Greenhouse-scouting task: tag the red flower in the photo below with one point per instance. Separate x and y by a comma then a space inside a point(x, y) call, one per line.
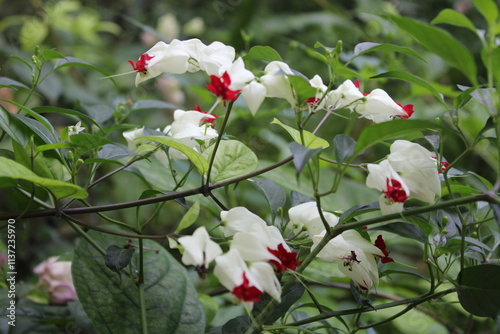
point(408, 109)
point(220, 87)
point(210, 117)
point(246, 292)
point(141, 64)
point(287, 260)
point(312, 101)
point(358, 86)
point(380, 243)
point(395, 191)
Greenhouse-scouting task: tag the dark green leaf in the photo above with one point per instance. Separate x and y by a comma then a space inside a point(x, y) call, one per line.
point(299, 198)
point(302, 88)
point(88, 141)
point(112, 304)
point(344, 147)
point(413, 79)
point(274, 194)
point(233, 159)
point(71, 61)
point(13, 170)
point(67, 112)
point(7, 82)
point(151, 104)
point(302, 155)
point(16, 129)
point(441, 43)
point(406, 230)
point(117, 258)
point(392, 129)
point(114, 152)
point(358, 210)
point(450, 16)
point(478, 290)
point(235, 326)
point(489, 10)
point(48, 136)
point(365, 47)
point(265, 53)
point(288, 298)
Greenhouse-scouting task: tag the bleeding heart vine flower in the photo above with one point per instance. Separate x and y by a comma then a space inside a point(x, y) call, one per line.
point(305, 218)
point(248, 284)
point(417, 168)
point(347, 95)
point(220, 87)
point(317, 102)
point(254, 94)
point(380, 107)
point(354, 255)
point(238, 219)
point(262, 243)
point(276, 81)
point(161, 58)
point(199, 250)
point(394, 190)
point(380, 244)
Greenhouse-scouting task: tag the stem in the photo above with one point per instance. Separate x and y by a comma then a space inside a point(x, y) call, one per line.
point(140, 285)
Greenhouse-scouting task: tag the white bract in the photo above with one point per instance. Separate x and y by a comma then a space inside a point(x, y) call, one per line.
point(199, 249)
point(305, 217)
point(354, 255)
point(380, 107)
point(276, 81)
point(418, 169)
point(347, 95)
point(238, 219)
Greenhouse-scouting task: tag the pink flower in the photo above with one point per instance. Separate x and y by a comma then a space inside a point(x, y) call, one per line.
point(220, 87)
point(55, 276)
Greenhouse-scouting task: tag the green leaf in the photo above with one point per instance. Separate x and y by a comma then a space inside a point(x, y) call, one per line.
point(288, 298)
point(302, 88)
point(33, 32)
point(48, 136)
point(392, 129)
point(51, 54)
point(112, 301)
point(366, 47)
point(71, 61)
point(310, 141)
point(7, 82)
point(275, 195)
point(66, 112)
point(460, 189)
point(13, 170)
point(265, 53)
point(196, 158)
point(151, 104)
point(210, 306)
point(489, 10)
point(301, 156)
point(441, 43)
point(33, 114)
point(450, 16)
point(232, 159)
point(16, 130)
point(344, 147)
point(413, 79)
point(117, 258)
point(190, 217)
point(478, 290)
point(406, 230)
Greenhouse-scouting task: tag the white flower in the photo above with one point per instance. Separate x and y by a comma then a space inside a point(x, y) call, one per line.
point(380, 107)
point(254, 94)
point(214, 56)
point(238, 219)
point(247, 284)
point(238, 73)
point(199, 249)
point(131, 135)
point(344, 96)
point(305, 217)
point(317, 82)
point(276, 81)
point(394, 189)
point(354, 255)
point(162, 57)
point(75, 129)
point(417, 168)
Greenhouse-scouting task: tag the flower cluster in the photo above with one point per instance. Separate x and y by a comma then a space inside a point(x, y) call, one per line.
point(55, 276)
point(356, 257)
point(229, 78)
point(257, 253)
point(410, 171)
